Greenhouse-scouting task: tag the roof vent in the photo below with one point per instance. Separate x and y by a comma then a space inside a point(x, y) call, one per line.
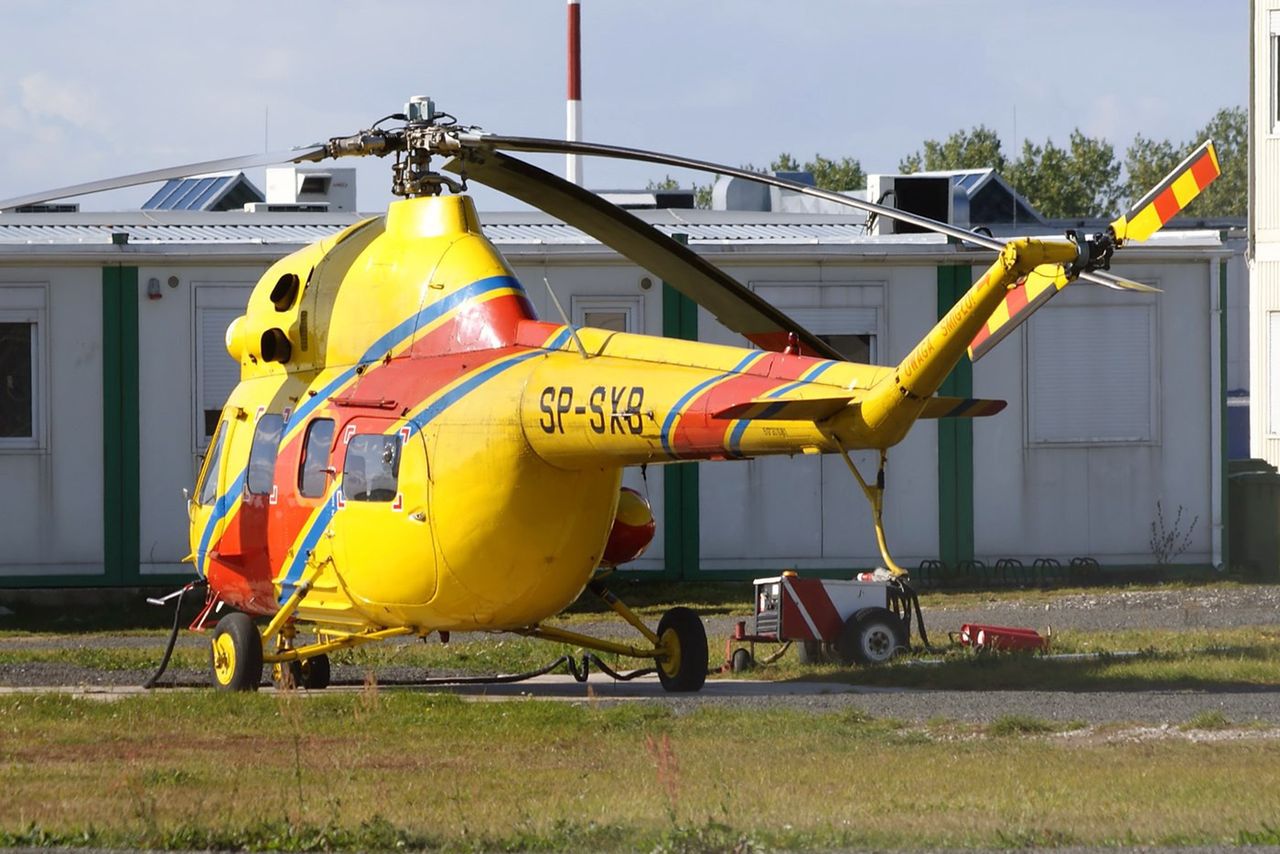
point(293, 187)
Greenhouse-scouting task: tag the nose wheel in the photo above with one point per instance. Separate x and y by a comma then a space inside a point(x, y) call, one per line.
point(235, 654)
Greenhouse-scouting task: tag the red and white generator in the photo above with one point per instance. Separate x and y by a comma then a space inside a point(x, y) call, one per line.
point(851, 622)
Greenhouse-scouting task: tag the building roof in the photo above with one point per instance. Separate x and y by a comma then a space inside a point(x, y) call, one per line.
point(196, 233)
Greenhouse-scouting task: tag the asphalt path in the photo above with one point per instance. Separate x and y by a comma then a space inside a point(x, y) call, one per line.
point(1178, 608)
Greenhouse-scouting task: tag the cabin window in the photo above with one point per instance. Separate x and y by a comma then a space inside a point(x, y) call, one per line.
point(207, 491)
point(1091, 376)
point(262, 454)
point(216, 373)
point(313, 476)
point(21, 367)
point(371, 471)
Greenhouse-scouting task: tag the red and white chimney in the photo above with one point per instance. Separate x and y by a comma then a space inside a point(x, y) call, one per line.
point(573, 116)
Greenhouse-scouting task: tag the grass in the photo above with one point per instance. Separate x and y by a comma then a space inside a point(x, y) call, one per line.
point(1166, 659)
point(381, 769)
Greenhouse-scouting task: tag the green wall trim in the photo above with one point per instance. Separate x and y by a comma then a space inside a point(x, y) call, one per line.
point(121, 443)
point(1224, 442)
point(680, 523)
point(955, 439)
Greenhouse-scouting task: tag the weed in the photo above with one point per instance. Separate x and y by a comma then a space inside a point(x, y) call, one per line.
point(1210, 719)
point(668, 771)
point(1011, 725)
point(1167, 543)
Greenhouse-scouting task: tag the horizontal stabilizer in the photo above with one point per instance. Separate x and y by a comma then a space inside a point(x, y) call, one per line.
point(783, 409)
point(961, 407)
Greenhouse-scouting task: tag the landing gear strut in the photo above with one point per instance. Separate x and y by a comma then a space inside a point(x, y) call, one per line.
point(678, 647)
point(875, 495)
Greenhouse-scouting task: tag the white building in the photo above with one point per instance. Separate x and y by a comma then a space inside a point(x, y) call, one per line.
point(111, 354)
point(1264, 231)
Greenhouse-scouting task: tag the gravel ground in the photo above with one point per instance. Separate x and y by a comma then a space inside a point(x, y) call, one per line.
point(1211, 607)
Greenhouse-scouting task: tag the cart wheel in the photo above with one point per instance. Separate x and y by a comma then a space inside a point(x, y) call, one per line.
point(811, 652)
point(315, 673)
point(683, 638)
point(741, 661)
point(235, 655)
point(870, 636)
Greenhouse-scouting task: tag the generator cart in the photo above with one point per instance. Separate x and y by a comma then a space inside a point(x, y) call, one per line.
point(863, 621)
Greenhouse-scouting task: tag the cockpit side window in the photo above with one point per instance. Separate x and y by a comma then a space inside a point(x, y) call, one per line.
point(262, 454)
point(207, 491)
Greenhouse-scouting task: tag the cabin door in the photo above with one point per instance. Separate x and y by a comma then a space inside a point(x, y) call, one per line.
point(382, 526)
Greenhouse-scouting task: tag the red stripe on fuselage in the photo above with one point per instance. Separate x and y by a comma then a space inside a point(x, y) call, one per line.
point(258, 536)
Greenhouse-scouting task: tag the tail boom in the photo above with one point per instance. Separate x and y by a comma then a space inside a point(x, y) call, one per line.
point(892, 406)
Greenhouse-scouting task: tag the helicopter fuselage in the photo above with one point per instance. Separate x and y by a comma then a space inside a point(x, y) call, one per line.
point(409, 434)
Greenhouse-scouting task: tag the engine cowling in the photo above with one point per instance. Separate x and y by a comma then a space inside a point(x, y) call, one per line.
point(632, 531)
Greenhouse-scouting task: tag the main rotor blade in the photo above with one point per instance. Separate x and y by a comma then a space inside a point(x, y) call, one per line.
point(226, 164)
point(560, 146)
point(733, 304)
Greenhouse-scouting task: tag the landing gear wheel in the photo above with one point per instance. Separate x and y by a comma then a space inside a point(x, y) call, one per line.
point(740, 661)
point(811, 652)
point(235, 654)
point(315, 673)
point(310, 673)
point(871, 636)
point(684, 640)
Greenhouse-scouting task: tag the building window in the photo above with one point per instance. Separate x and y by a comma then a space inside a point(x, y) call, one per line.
point(371, 471)
point(262, 454)
point(313, 474)
point(1273, 372)
point(1274, 88)
point(216, 373)
point(1091, 375)
point(21, 367)
point(846, 316)
point(17, 380)
point(616, 314)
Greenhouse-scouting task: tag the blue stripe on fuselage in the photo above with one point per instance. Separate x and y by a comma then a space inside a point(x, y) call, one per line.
point(321, 520)
point(376, 352)
point(735, 437)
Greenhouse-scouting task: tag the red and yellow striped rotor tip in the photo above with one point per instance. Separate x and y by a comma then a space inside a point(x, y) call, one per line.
point(1188, 180)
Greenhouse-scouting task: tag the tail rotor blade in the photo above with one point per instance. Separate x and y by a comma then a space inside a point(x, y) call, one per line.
point(1188, 180)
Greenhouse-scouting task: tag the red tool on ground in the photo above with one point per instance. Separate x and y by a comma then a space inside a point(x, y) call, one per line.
point(1003, 638)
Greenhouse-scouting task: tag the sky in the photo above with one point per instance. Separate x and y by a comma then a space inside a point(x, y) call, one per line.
point(95, 88)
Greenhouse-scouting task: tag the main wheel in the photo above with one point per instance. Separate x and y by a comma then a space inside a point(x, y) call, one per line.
point(315, 673)
point(310, 673)
point(871, 636)
point(235, 654)
point(684, 640)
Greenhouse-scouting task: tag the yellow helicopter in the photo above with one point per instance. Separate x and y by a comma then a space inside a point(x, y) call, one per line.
point(410, 450)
